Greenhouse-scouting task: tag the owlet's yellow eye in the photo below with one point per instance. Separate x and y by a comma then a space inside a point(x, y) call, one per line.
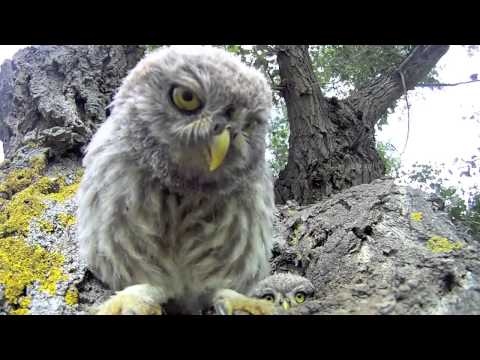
point(269, 297)
point(300, 297)
point(185, 99)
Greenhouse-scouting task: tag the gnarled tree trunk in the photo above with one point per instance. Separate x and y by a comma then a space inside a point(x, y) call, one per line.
point(55, 96)
point(332, 142)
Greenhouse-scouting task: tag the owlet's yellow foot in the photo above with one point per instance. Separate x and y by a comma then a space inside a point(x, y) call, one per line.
point(141, 299)
point(230, 302)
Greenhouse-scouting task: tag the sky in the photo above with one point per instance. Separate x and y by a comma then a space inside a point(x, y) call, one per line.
point(437, 131)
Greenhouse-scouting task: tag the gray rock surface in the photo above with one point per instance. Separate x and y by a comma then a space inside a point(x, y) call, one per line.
point(56, 96)
point(365, 254)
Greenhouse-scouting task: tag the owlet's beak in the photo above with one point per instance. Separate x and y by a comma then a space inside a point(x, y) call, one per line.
point(217, 149)
point(285, 305)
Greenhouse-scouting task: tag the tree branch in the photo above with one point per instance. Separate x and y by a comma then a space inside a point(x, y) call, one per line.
point(444, 84)
point(374, 100)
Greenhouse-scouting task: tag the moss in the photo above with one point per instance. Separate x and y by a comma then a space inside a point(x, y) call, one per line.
point(438, 244)
point(22, 265)
point(66, 220)
point(71, 297)
point(416, 216)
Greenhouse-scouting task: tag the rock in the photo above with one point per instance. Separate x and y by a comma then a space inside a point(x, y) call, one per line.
point(52, 99)
point(366, 255)
point(56, 96)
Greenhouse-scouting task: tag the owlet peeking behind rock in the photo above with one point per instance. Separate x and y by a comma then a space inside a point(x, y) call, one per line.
point(176, 203)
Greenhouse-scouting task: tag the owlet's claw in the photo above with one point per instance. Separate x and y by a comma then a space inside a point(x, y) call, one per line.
point(229, 302)
point(134, 300)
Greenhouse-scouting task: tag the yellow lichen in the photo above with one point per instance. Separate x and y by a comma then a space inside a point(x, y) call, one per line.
point(416, 216)
point(23, 308)
point(295, 236)
point(66, 192)
point(66, 220)
point(19, 179)
point(29, 203)
point(16, 181)
point(54, 275)
point(438, 244)
point(24, 304)
point(22, 265)
point(31, 144)
point(38, 163)
point(17, 214)
point(46, 226)
point(78, 174)
point(71, 297)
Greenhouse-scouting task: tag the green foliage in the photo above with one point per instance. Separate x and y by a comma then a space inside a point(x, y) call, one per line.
point(354, 66)
point(278, 141)
point(462, 205)
point(390, 159)
point(473, 215)
point(457, 208)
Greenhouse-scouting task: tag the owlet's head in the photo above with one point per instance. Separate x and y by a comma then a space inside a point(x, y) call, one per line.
point(197, 117)
point(285, 290)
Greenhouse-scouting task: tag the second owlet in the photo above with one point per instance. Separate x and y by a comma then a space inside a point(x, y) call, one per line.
point(176, 203)
point(284, 289)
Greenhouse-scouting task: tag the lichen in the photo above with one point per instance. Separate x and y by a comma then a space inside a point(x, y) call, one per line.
point(79, 174)
point(295, 236)
point(66, 192)
point(31, 144)
point(38, 163)
point(416, 216)
point(71, 296)
point(17, 214)
point(30, 203)
point(24, 304)
point(23, 198)
point(19, 179)
point(46, 226)
point(66, 220)
point(438, 244)
point(22, 265)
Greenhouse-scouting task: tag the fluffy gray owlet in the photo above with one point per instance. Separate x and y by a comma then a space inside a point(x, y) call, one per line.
point(176, 203)
point(284, 289)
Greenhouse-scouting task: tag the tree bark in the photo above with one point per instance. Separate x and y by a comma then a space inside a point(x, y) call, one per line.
point(332, 142)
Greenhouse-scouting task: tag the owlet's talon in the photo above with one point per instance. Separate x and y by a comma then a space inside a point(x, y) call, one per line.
point(229, 302)
point(134, 300)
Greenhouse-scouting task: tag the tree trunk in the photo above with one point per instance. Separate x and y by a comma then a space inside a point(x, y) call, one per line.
point(332, 142)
